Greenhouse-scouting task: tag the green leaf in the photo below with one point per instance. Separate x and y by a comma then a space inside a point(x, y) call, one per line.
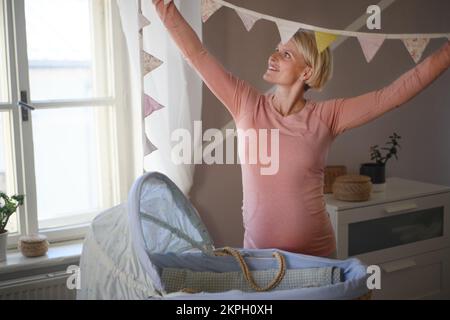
point(9, 208)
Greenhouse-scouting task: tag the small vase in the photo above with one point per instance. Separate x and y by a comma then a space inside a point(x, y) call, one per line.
point(377, 173)
point(3, 244)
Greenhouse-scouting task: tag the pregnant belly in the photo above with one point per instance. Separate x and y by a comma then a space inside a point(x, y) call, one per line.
point(294, 225)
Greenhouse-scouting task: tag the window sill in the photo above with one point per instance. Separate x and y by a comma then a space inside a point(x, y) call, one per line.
point(63, 253)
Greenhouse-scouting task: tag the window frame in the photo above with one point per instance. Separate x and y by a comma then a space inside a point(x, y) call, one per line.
point(114, 120)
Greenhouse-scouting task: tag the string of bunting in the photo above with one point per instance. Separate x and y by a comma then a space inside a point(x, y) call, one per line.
point(370, 42)
point(148, 64)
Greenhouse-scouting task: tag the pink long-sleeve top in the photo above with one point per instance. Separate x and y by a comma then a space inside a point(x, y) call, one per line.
point(287, 210)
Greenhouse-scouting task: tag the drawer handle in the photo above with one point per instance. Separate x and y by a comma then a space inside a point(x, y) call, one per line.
point(401, 207)
point(398, 265)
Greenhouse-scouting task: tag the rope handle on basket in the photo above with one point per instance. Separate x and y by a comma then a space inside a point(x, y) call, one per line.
point(248, 276)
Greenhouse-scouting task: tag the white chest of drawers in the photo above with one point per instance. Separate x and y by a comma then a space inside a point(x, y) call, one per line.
point(406, 231)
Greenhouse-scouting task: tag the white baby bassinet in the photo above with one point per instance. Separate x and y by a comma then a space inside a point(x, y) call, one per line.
point(130, 249)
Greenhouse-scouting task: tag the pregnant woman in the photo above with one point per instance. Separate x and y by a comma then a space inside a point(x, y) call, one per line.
point(287, 210)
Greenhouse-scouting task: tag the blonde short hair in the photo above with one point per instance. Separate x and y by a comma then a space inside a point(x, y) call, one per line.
point(321, 63)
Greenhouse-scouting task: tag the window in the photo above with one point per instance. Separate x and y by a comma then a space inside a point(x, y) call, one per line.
point(64, 157)
point(6, 167)
point(63, 39)
point(3, 68)
point(7, 171)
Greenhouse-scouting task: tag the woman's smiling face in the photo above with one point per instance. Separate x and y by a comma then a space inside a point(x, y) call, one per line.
point(286, 65)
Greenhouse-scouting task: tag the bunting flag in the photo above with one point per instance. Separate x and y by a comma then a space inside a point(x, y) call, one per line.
point(370, 45)
point(416, 47)
point(143, 22)
point(149, 148)
point(287, 31)
point(209, 7)
point(324, 40)
point(150, 105)
point(248, 20)
point(150, 63)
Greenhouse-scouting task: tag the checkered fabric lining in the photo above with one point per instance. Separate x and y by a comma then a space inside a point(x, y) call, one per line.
point(178, 279)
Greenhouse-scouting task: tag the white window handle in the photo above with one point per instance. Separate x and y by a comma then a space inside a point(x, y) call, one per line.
point(401, 207)
point(398, 265)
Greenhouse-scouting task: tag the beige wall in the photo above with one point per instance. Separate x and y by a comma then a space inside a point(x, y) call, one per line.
point(422, 123)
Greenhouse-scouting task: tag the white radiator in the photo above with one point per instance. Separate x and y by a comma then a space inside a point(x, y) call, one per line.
point(50, 286)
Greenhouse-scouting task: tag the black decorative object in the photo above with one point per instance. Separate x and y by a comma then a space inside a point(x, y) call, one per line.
point(377, 170)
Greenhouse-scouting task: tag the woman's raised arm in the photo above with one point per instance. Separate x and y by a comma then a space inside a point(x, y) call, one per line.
point(347, 113)
point(234, 93)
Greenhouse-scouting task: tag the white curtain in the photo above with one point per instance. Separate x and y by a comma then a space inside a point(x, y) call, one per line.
point(174, 85)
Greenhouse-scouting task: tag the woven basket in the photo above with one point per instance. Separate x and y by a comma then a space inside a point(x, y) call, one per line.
point(331, 173)
point(33, 246)
point(352, 188)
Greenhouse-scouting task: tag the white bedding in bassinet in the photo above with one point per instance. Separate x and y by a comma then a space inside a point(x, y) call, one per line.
point(110, 269)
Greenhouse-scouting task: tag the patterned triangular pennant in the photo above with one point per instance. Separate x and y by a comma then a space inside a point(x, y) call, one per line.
point(149, 148)
point(143, 22)
point(416, 47)
point(150, 105)
point(150, 63)
point(209, 7)
point(248, 20)
point(370, 45)
point(286, 30)
point(324, 40)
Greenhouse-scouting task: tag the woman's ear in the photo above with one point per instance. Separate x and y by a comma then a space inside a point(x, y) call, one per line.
point(306, 74)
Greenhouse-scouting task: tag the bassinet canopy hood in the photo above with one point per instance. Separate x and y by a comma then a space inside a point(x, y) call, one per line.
point(162, 220)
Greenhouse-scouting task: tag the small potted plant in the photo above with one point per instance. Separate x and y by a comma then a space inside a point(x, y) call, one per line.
point(377, 170)
point(8, 205)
